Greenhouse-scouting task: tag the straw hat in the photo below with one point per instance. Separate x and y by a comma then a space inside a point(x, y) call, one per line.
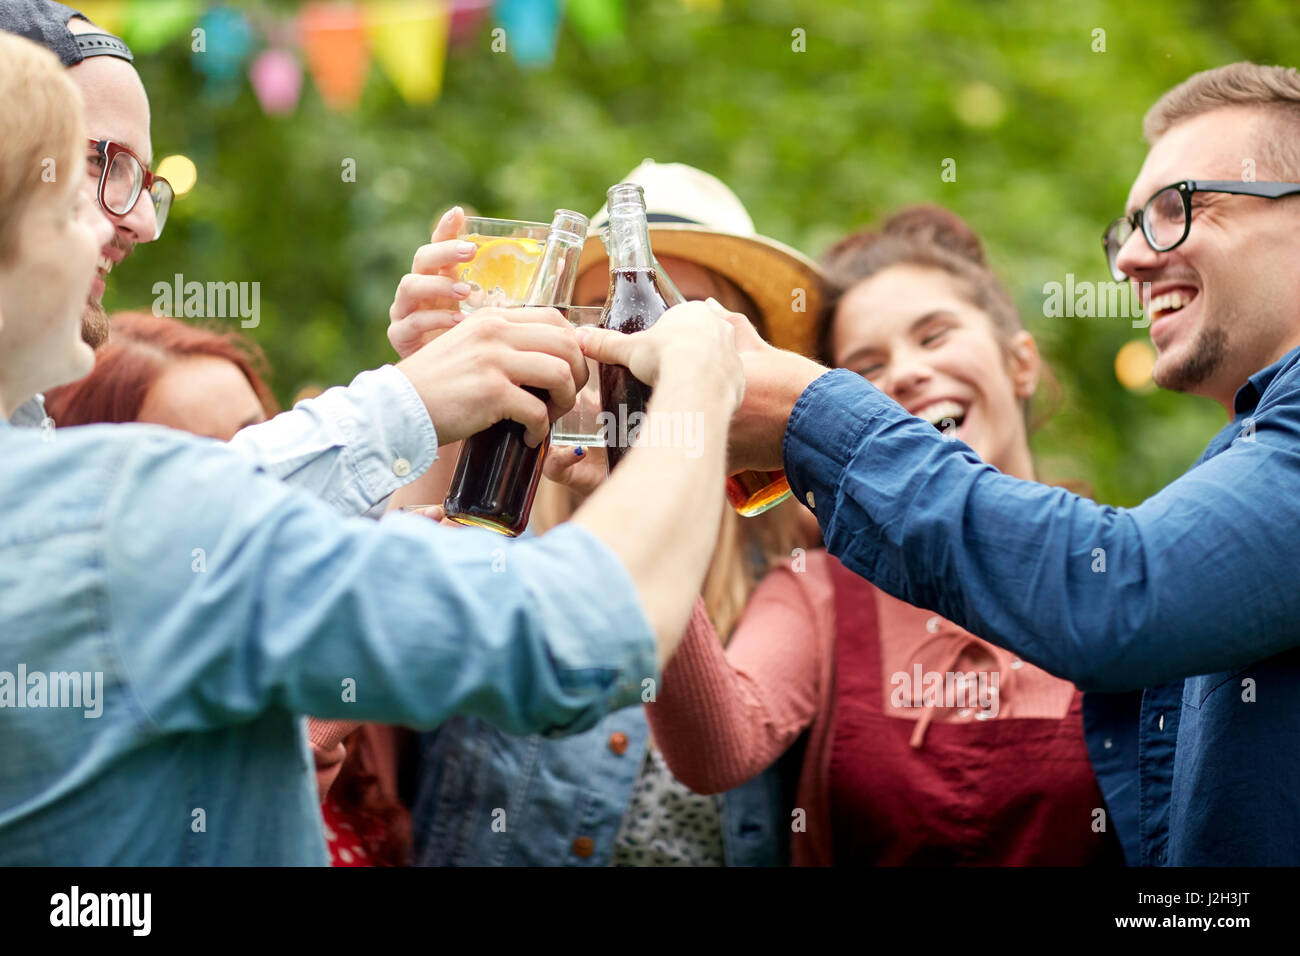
point(694, 216)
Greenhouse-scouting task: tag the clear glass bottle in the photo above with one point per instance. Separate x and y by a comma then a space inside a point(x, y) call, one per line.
point(639, 292)
point(497, 474)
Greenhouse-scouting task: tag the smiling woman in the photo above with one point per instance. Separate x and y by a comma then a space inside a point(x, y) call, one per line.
point(889, 777)
point(919, 313)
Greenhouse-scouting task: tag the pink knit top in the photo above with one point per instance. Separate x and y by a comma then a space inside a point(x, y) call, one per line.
point(722, 716)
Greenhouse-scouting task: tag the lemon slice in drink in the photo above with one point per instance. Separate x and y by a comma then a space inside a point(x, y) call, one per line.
point(501, 270)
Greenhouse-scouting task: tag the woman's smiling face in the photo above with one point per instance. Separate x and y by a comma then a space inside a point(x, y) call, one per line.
point(911, 333)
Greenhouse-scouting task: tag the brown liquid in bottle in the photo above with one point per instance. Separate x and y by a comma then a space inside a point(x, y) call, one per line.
point(635, 304)
point(496, 477)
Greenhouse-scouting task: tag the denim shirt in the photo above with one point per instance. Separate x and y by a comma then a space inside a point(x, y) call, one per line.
point(1189, 595)
point(209, 605)
point(351, 447)
point(485, 799)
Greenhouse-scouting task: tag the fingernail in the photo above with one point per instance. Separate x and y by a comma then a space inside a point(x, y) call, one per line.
point(461, 288)
point(465, 248)
point(579, 451)
point(714, 304)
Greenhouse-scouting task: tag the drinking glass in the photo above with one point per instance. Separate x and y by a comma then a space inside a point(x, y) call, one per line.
point(581, 426)
point(502, 269)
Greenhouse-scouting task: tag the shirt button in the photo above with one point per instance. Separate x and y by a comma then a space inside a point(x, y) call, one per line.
point(584, 847)
point(811, 501)
point(1161, 722)
point(401, 468)
point(1107, 743)
point(1016, 665)
point(932, 625)
point(618, 743)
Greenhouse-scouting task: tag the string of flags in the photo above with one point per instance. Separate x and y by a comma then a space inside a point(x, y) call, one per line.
point(335, 43)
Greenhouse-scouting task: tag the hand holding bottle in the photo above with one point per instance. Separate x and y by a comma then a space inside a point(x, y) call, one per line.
point(479, 372)
point(694, 338)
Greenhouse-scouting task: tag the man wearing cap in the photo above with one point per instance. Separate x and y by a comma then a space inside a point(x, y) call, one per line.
point(1185, 608)
point(352, 446)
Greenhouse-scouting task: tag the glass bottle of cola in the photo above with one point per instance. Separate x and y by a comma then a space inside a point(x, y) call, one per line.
point(497, 474)
point(639, 292)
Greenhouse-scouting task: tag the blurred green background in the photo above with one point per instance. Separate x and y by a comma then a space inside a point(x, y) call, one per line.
point(1045, 133)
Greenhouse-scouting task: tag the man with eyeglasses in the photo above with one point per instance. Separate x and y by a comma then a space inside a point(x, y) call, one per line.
point(352, 446)
point(1182, 615)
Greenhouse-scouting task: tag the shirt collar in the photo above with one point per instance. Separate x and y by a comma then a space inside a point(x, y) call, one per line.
point(1248, 396)
point(30, 414)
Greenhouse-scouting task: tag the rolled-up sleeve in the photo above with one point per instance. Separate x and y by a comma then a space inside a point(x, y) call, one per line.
point(351, 447)
point(1110, 598)
point(242, 594)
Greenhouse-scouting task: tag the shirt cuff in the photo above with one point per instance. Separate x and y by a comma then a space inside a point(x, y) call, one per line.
point(823, 435)
point(597, 633)
point(352, 447)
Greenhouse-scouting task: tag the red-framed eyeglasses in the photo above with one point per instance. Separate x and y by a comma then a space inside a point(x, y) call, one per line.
point(123, 177)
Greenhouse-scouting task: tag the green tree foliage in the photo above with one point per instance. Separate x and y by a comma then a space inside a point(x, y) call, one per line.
point(1044, 129)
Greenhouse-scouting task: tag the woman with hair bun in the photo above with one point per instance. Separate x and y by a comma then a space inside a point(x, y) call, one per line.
point(923, 744)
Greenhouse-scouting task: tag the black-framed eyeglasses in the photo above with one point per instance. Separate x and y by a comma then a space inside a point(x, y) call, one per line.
point(1166, 219)
point(123, 177)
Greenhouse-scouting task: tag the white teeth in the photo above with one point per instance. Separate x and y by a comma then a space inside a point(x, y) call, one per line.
point(936, 412)
point(105, 264)
point(1169, 302)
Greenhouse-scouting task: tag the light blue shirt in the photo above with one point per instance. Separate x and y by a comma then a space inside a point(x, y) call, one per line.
point(213, 605)
point(351, 447)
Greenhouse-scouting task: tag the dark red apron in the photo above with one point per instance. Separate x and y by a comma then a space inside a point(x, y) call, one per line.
point(1001, 792)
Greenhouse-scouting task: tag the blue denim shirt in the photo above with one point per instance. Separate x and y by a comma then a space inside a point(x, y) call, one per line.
point(1189, 595)
point(485, 799)
point(216, 604)
point(351, 447)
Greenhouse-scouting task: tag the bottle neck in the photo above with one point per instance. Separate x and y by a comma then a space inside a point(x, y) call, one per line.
point(557, 272)
point(629, 238)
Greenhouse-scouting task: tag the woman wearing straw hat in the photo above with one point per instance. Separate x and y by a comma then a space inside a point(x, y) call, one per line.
point(605, 796)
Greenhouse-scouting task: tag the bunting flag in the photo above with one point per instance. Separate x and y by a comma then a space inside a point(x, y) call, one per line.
point(532, 27)
point(149, 25)
point(226, 39)
point(277, 80)
point(599, 21)
point(466, 15)
point(409, 38)
point(334, 43)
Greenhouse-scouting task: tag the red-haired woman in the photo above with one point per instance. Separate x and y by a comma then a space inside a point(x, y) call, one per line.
point(162, 371)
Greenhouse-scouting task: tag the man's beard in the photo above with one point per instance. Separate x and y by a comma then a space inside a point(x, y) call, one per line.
point(94, 324)
point(1208, 353)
